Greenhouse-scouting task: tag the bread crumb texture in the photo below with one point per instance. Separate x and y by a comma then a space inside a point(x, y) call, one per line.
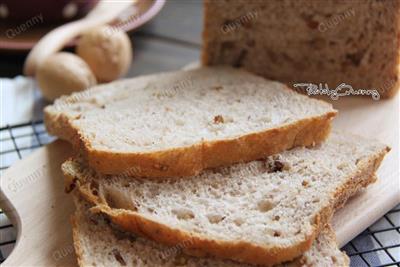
point(97, 243)
point(305, 41)
point(277, 203)
point(178, 123)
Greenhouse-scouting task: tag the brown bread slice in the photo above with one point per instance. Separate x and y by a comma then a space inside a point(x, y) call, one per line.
point(261, 212)
point(308, 41)
point(97, 243)
point(179, 123)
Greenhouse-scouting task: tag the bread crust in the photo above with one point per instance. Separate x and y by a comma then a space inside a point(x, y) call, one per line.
point(205, 49)
point(202, 246)
point(191, 160)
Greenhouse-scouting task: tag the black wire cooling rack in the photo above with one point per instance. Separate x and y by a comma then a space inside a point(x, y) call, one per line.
point(379, 245)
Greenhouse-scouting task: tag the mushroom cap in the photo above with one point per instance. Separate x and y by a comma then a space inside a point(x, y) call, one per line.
point(63, 73)
point(107, 50)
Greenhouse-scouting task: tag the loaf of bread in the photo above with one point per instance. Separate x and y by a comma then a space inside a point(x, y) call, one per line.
point(308, 41)
point(262, 212)
point(179, 123)
point(98, 243)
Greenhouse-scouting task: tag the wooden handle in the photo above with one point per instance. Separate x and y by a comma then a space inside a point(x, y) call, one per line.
point(51, 43)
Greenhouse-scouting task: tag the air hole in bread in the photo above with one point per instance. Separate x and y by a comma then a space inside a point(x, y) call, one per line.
point(355, 58)
point(214, 185)
point(152, 193)
point(151, 210)
point(265, 205)
point(94, 186)
point(342, 166)
point(95, 192)
point(234, 193)
point(217, 87)
point(183, 214)
point(238, 221)
point(215, 218)
point(115, 200)
point(180, 260)
point(118, 257)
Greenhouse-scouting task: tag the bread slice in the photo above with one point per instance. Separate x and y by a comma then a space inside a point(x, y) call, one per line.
point(97, 243)
point(178, 123)
point(262, 212)
point(329, 42)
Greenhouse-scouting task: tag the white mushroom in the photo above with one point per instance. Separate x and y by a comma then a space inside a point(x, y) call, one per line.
point(63, 73)
point(107, 51)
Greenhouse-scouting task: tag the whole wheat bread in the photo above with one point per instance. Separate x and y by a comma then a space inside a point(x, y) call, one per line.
point(333, 42)
point(97, 243)
point(262, 212)
point(178, 123)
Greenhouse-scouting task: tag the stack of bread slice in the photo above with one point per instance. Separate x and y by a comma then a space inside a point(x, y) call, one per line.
point(207, 167)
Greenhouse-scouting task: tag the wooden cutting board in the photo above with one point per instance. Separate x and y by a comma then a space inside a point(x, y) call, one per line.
point(32, 191)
